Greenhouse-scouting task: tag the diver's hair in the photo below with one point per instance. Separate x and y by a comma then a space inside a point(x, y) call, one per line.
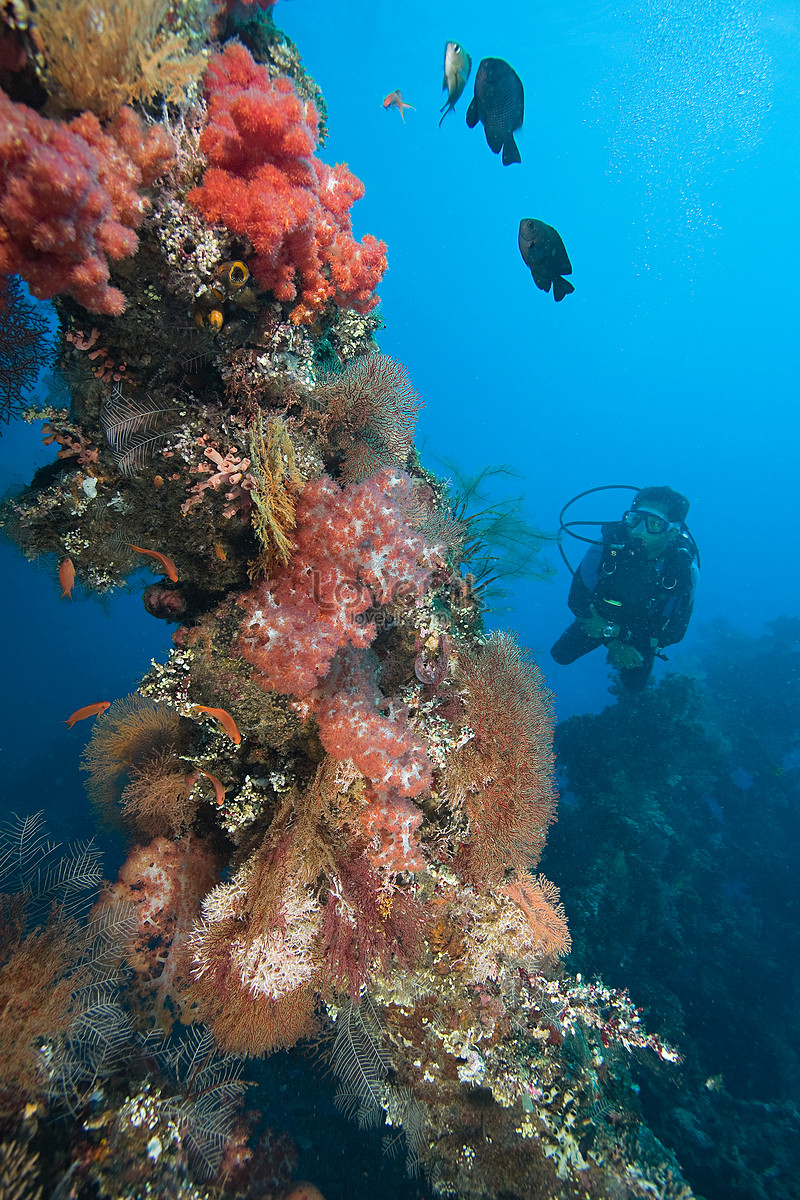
point(676, 506)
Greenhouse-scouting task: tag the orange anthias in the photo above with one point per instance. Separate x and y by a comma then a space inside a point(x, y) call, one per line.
point(89, 710)
point(395, 100)
point(225, 719)
point(170, 570)
point(219, 790)
point(66, 577)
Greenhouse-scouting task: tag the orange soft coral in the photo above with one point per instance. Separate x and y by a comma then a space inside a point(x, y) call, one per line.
point(263, 182)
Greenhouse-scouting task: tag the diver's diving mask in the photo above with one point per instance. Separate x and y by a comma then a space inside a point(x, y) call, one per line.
point(653, 522)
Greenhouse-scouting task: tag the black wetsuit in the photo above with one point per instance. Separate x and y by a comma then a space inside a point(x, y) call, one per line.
point(649, 602)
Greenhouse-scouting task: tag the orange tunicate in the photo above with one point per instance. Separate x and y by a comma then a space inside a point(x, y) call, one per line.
point(238, 275)
point(158, 481)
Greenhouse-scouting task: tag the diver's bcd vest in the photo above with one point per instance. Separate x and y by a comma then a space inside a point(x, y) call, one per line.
point(633, 592)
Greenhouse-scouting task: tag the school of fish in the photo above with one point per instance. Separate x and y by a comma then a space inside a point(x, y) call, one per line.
point(498, 104)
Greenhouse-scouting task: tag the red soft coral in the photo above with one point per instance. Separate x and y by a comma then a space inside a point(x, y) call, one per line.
point(69, 199)
point(353, 549)
point(390, 822)
point(264, 183)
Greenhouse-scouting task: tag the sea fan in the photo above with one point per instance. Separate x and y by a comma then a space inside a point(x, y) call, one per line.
point(369, 411)
point(134, 733)
point(25, 345)
point(503, 776)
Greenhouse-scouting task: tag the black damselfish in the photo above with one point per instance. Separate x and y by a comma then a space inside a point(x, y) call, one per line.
point(544, 252)
point(499, 102)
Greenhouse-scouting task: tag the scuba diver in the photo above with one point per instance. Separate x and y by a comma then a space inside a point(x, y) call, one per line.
point(634, 591)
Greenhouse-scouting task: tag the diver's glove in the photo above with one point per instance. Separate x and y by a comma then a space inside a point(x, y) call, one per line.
point(623, 655)
point(594, 627)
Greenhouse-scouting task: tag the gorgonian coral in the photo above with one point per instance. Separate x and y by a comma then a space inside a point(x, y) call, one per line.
point(503, 774)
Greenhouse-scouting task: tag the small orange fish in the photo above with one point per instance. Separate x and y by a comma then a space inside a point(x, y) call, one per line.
point(170, 570)
point(225, 719)
point(220, 551)
point(395, 100)
point(90, 710)
point(219, 790)
point(66, 577)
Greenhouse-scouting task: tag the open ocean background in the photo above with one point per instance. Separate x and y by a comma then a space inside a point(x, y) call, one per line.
point(662, 140)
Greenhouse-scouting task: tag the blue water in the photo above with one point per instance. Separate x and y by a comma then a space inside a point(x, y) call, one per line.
point(661, 140)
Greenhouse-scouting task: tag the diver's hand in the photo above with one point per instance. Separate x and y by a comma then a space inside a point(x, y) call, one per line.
point(623, 656)
point(594, 626)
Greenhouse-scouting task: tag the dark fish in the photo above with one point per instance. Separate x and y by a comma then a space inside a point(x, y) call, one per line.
point(457, 66)
point(499, 102)
point(544, 252)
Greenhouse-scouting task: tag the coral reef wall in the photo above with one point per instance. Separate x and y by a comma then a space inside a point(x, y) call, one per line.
point(337, 788)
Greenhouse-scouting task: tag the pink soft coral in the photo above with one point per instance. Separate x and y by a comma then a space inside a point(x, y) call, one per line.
point(69, 199)
point(356, 722)
point(165, 882)
point(264, 182)
point(353, 549)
